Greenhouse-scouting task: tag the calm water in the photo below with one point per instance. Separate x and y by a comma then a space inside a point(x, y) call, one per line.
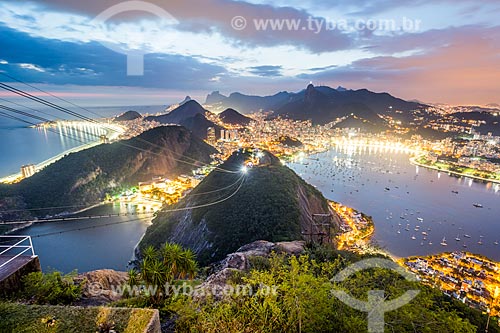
point(21, 145)
point(359, 178)
point(101, 243)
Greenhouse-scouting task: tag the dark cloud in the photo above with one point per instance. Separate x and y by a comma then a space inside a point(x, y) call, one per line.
point(268, 71)
point(93, 64)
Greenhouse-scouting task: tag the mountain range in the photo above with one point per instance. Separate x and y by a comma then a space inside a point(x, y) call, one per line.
point(329, 100)
point(189, 114)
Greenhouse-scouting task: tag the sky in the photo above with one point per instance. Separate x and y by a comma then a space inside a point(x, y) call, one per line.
point(431, 50)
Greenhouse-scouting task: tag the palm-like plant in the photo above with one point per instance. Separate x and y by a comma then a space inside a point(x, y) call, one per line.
point(133, 277)
point(149, 253)
point(161, 268)
point(180, 262)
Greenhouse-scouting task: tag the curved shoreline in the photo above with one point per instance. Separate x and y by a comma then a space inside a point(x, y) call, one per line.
point(414, 162)
point(53, 159)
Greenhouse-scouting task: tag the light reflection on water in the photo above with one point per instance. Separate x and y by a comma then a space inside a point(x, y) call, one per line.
point(358, 177)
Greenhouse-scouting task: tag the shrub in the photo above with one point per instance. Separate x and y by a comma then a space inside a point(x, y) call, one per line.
point(52, 288)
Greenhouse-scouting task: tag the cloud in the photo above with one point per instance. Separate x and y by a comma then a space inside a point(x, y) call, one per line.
point(52, 61)
point(215, 16)
point(465, 69)
point(267, 71)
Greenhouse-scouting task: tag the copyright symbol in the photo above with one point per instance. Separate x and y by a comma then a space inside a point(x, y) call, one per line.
point(239, 23)
point(94, 289)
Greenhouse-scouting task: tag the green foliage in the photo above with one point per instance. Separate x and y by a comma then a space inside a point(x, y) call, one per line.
point(160, 268)
point(266, 207)
point(65, 319)
point(304, 303)
point(51, 288)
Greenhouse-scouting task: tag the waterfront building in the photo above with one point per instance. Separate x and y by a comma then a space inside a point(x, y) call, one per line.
point(28, 170)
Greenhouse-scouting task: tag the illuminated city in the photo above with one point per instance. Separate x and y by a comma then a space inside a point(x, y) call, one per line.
point(249, 166)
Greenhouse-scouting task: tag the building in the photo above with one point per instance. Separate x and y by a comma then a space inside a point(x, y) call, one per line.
point(28, 170)
point(222, 134)
point(211, 138)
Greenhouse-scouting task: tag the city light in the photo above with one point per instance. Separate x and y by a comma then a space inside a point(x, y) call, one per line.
point(244, 169)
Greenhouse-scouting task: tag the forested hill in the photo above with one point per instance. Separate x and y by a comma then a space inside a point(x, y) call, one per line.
point(85, 177)
point(268, 202)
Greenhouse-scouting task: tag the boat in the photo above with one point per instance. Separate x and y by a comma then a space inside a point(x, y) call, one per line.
point(477, 205)
point(495, 242)
point(467, 236)
point(457, 238)
point(430, 242)
point(465, 246)
point(443, 242)
point(413, 237)
point(455, 192)
point(420, 219)
point(424, 233)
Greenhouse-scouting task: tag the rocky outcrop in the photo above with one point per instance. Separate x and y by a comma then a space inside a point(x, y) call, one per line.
point(101, 286)
point(241, 260)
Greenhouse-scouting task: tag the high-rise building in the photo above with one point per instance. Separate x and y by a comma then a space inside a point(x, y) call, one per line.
point(28, 170)
point(211, 138)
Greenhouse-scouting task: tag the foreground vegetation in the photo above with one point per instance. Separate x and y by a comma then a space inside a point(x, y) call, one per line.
point(299, 299)
point(304, 303)
point(44, 319)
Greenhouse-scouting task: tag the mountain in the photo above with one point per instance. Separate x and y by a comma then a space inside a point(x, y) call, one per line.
point(177, 116)
point(324, 104)
point(214, 97)
point(269, 202)
point(85, 177)
point(337, 99)
point(246, 103)
point(186, 99)
point(233, 117)
point(199, 125)
point(129, 115)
